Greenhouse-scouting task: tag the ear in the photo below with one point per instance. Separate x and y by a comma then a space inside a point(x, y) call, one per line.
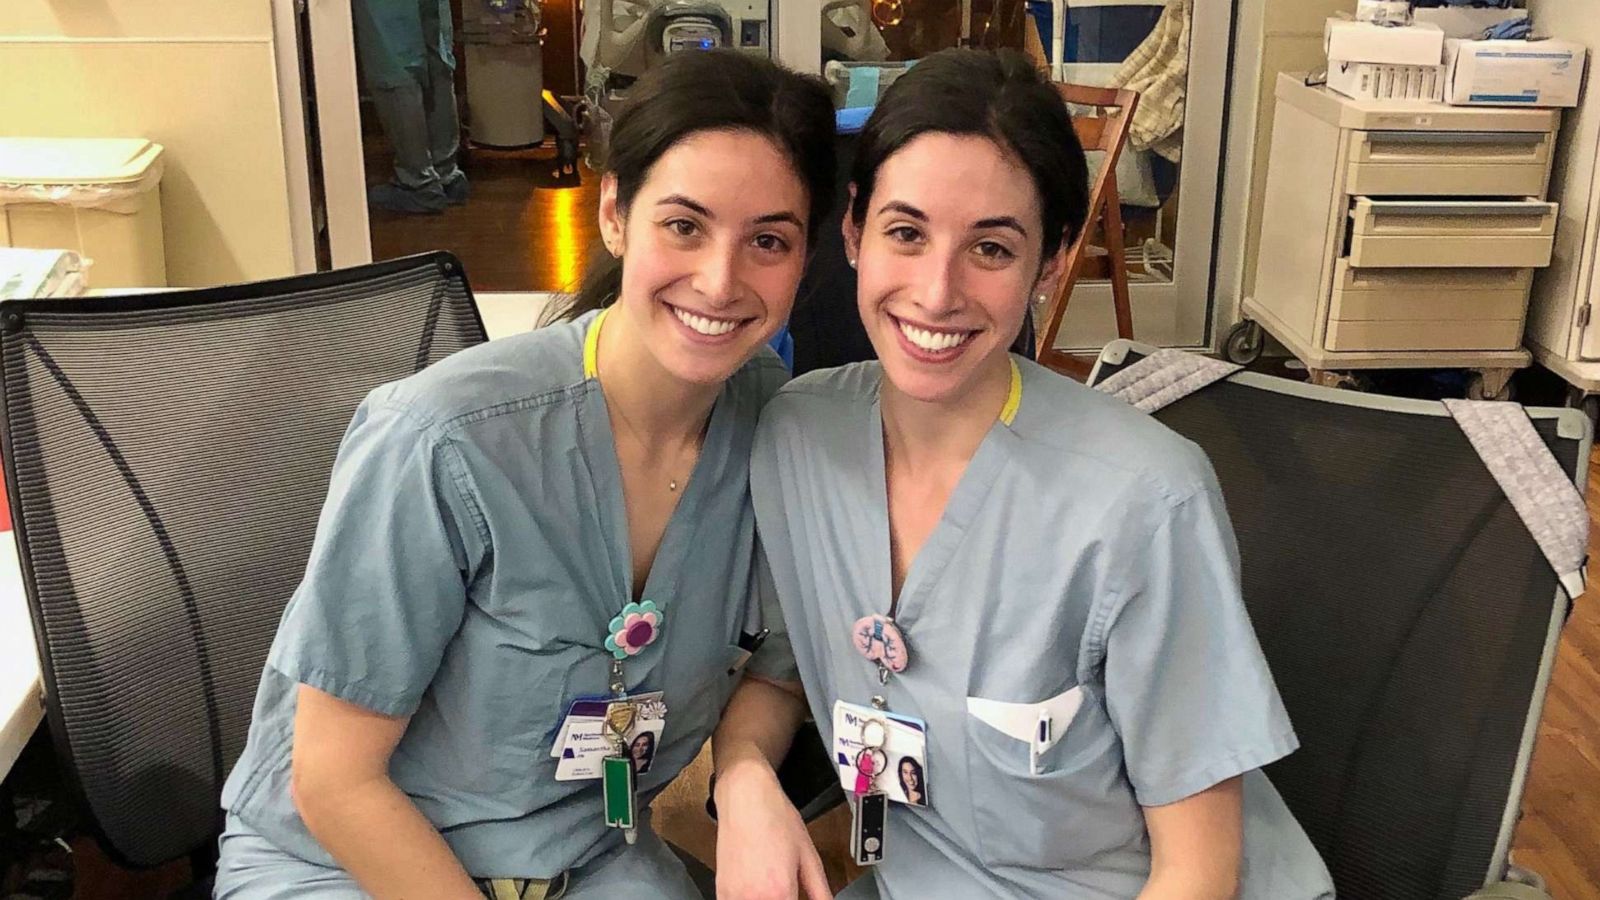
point(852, 231)
point(613, 219)
point(1051, 271)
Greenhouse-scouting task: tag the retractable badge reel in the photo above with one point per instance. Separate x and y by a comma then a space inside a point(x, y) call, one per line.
point(871, 805)
point(636, 627)
point(616, 770)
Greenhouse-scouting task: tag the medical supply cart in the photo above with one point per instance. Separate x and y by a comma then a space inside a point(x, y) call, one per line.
point(1400, 234)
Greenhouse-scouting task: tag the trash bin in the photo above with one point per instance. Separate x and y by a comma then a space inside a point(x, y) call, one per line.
point(505, 73)
point(99, 197)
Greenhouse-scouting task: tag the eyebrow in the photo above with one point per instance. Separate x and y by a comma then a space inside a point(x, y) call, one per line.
point(681, 200)
point(910, 211)
point(903, 208)
point(776, 217)
point(1000, 222)
point(767, 219)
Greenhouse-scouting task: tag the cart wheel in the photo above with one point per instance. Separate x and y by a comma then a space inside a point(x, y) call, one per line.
point(1244, 344)
point(1589, 404)
point(1491, 384)
point(1344, 381)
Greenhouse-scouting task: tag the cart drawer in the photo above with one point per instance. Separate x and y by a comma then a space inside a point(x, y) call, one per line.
point(1398, 295)
point(1445, 163)
point(1502, 234)
point(1422, 335)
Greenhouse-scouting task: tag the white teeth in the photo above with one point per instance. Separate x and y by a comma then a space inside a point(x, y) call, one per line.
point(705, 326)
point(932, 341)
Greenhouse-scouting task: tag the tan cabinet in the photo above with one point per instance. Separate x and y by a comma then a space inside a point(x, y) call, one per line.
point(1401, 234)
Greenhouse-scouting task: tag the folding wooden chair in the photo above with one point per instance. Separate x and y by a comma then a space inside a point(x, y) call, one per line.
point(1106, 132)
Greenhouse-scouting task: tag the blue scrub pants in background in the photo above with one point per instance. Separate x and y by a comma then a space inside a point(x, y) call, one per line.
point(404, 47)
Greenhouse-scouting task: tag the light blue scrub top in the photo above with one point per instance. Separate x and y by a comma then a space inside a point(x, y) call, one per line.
point(472, 550)
point(1086, 549)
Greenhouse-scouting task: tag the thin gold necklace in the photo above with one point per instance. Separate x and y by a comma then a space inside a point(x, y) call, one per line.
point(672, 482)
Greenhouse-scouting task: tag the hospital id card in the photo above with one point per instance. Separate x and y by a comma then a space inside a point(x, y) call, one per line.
point(582, 744)
point(905, 748)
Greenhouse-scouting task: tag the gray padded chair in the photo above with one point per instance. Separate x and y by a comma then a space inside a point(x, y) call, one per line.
point(1409, 618)
point(166, 456)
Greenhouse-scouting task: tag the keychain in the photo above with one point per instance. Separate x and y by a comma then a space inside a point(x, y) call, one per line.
point(630, 631)
point(870, 809)
point(616, 770)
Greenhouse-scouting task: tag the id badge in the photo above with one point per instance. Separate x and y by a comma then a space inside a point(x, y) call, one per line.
point(583, 743)
point(905, 776)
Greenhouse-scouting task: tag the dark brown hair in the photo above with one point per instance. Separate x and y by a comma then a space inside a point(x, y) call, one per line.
point(713, 90)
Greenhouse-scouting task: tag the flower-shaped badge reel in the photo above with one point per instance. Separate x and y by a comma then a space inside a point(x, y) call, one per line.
point(636, 628)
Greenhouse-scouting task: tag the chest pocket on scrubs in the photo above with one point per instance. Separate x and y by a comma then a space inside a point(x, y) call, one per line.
point(1044, 804)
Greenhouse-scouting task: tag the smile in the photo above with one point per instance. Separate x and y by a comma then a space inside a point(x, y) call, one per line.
point(706, 325)
point(930, 340)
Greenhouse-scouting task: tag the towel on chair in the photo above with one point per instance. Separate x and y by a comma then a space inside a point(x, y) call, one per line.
point(1159, 70)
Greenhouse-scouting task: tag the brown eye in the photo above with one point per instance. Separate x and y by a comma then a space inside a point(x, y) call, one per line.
point(771, 243)
point(993, 251)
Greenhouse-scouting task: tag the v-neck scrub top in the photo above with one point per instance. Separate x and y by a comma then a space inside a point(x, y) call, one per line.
point(472, 551)
point(1084, 568)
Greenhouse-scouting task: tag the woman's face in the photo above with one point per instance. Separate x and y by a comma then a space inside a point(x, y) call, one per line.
point(641, 746)
point(908, 775)
point(713, 247)
point(948, 256)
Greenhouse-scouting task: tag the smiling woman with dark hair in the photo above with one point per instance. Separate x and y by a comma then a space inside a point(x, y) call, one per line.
point(1037, 582)
point(548, 517)
point(643, 752)
point(911, 783)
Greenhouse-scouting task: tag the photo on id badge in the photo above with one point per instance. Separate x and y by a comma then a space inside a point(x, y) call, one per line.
point(905, 751)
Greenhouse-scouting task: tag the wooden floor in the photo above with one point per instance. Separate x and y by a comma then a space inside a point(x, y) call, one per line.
point(1559, 836)
point(515, 233)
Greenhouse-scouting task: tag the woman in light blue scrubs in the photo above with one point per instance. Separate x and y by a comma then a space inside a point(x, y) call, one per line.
point(1019, 591)
point(554, 517)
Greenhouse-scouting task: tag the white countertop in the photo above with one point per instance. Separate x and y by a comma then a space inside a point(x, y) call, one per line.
point(21, 691)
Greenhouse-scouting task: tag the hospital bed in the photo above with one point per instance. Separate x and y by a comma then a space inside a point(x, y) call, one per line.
point(1409, 616)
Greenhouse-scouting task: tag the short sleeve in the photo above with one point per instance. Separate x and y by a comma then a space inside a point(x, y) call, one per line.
point(775, 660)
point(1186, 685)
point(385, 587)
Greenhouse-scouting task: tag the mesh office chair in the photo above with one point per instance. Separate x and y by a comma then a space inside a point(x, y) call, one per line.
point(166, 456)
point(1409, 618)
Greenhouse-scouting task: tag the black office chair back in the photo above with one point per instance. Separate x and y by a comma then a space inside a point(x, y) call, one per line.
point(166, 457)
point(1407, 614)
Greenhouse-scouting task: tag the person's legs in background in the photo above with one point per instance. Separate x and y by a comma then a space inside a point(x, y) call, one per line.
point(439, 100)
point(398, 61)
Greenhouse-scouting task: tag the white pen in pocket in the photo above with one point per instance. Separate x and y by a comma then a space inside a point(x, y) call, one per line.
point(1040, 725)
point(1044, 739)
